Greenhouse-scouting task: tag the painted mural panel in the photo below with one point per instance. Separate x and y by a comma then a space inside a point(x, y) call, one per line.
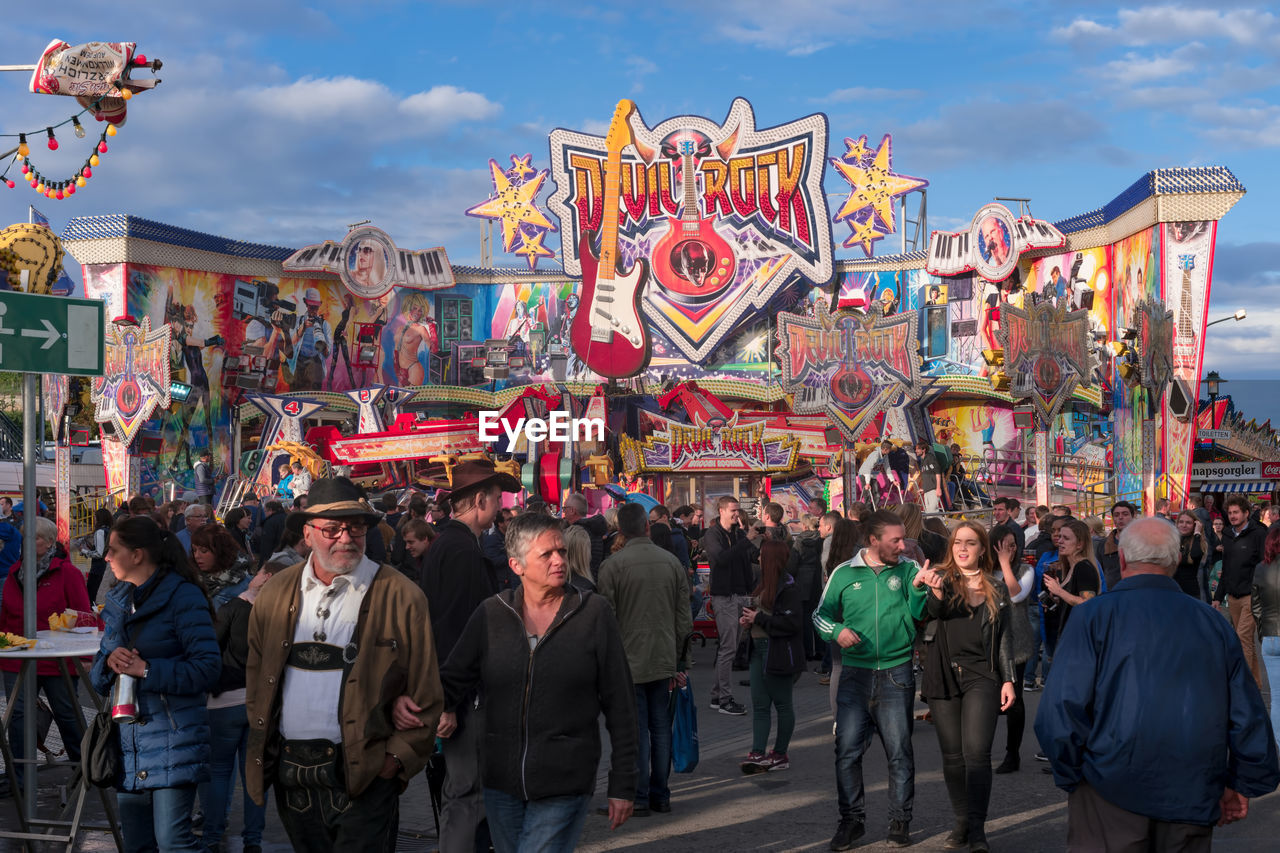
point(985, 430)
point(1080, 280)
point(1187, 269)
point(1135, 271)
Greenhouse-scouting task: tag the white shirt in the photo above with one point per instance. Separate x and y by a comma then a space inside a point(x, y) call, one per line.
point(301, 483)
point(309, 706)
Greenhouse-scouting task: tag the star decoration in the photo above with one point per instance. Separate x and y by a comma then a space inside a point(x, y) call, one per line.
point(874, 187)
point(863, 232)
point(521, 168)
point(531, 248)
point(513, 205)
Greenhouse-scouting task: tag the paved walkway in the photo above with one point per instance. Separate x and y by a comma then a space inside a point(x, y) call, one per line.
point(717, 808)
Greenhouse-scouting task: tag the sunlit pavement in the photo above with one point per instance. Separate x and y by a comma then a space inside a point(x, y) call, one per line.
point(718, 808)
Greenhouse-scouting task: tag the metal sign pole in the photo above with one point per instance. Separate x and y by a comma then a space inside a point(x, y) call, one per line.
point(30, 509)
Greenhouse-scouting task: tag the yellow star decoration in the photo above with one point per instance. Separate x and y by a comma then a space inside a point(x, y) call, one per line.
point(875, 186)
point(513, 205)
point(531, 248)
point(521, 168)
point(864, 232)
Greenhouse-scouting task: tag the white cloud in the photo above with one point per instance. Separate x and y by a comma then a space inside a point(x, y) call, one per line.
point(868, 93)
point(441, 106)
point(1169, 23)
point(1135, 69)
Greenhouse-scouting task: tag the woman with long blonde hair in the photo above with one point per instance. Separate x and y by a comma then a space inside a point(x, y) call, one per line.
point(968, 674)
point(1070, 581)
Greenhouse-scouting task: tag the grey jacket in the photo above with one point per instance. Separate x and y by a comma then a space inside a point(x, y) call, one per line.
point(1265, 600)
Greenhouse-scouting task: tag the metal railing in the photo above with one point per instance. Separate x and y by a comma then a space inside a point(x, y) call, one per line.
point(10, 439)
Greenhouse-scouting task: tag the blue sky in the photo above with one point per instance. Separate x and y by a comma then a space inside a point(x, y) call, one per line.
point(282, 122)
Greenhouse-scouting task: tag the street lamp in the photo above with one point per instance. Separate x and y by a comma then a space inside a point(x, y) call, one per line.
point(1239, 315)
point(1214, 382)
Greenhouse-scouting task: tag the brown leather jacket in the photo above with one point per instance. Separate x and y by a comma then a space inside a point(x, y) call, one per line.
point(396, 657)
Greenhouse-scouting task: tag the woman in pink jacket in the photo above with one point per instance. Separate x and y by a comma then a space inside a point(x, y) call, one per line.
point(59, 585)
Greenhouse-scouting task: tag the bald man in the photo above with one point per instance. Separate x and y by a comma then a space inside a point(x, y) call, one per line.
point(1135, 671)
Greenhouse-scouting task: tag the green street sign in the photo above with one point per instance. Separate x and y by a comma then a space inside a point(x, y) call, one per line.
point(51, 334)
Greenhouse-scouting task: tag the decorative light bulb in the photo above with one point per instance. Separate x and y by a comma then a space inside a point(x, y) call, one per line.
point(93, 160)
point(111, 130)
point(8, 183)
point(140, 59)
point(25, 168)
point(126, 94)
point(79, 128)
point(53, 143)
point(80, 181)
point(40, 188)
point(102, 148)
point(71, 188)
point(58, 195)
point(23, 150)
point(87, 172)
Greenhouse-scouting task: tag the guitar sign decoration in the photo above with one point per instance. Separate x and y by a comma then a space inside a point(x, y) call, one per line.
point(135, 378)
point(725, 215)
point(1046, 354)
point(1154, 345)
point(608, 333)
point(850, 366)
point(692, 261)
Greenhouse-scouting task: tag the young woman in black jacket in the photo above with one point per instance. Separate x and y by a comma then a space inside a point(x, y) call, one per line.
point(968, 674)
point(777, 656)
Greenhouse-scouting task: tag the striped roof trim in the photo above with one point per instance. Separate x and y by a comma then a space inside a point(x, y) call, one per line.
point(126, 225)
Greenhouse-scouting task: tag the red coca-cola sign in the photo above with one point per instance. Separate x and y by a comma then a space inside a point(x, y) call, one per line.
point(1271, 470)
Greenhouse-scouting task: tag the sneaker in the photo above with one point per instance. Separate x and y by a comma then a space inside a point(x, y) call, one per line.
point(732, 708)
point(847, 834)
point(715, 704)
point(1030, 687)
point(1010, 764)
point(825, 678)
point(1040, 756)
point(899, 834)
point(778, 761)
point(756, 762)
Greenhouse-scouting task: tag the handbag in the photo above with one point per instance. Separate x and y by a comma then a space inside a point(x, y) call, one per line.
point(684, 731)
point(742, 654)
point(100, 757)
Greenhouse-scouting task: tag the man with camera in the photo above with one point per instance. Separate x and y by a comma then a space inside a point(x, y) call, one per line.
point(267, 334)
point(313, 338)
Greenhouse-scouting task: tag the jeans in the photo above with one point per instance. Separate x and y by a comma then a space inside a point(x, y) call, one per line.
point(228, 739)
point(158, 819)
point(875, 701)
point(549, 825)
point(966, 726)
point(1271, 660)
point(769, 690)
point(727, 609)
point(62, 703)
point(1016, 716)
point(1037, 641)
point(462, 815)
point(653, 746)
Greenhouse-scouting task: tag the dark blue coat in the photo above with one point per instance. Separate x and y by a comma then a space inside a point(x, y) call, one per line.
point(1152, 704)
point(172, 630)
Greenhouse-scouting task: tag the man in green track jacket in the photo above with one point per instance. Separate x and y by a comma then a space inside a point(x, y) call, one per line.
point(869, 608)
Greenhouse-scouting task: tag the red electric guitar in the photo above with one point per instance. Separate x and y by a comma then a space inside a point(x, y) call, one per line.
point(607, 332)
point(692, 261)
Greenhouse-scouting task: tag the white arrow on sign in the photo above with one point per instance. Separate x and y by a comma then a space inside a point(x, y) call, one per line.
point(50, 334)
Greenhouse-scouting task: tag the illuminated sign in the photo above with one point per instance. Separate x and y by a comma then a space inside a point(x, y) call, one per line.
point(723, 214)
point(1046, 354)
point(703, 448)
point(135, 378)
point(849, 366)
point(1154, 345)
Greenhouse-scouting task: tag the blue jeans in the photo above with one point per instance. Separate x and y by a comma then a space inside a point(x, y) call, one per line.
point(65, 713)
point(1037, 641)
point(158, 819)
point(549, 825)
point(653, 746)
point(1271, 661)
point(878, 701)
point(228, 740)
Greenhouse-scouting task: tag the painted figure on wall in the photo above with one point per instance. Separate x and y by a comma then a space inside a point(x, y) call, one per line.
point(267, 335)
point(340, 348)
point(367, 264)
point(415, 340)
point(312, 342)
point(996, 242)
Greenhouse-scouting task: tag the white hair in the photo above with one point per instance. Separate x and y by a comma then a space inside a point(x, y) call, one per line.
point(577, 501)
point(1151, 540)
point(46, 529)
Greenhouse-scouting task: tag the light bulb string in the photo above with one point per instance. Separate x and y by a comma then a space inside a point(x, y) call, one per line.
point(32, 175)
point(89, 109)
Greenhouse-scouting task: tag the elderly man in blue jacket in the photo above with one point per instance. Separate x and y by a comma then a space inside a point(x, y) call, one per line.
point(1152, 720)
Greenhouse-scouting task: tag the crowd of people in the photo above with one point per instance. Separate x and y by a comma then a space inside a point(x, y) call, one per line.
point(324, 655)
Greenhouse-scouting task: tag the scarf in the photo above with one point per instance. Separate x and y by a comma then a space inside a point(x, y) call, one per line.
point(44, 565)
point(216, 582)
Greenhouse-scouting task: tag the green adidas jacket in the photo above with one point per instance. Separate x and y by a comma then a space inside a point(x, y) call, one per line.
point(881, 609)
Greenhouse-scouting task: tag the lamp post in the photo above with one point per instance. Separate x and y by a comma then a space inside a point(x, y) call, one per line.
point(1213, 383)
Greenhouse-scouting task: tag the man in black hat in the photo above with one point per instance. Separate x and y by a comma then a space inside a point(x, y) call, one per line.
point(457, 579)
point(332, 642)
point(203, 472)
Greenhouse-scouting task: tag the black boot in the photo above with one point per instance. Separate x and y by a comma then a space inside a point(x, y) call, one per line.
point(978, 839)
point(1011, 764)
point(958, 839)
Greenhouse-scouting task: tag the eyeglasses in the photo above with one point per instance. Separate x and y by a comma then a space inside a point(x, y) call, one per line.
point(333, 531)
